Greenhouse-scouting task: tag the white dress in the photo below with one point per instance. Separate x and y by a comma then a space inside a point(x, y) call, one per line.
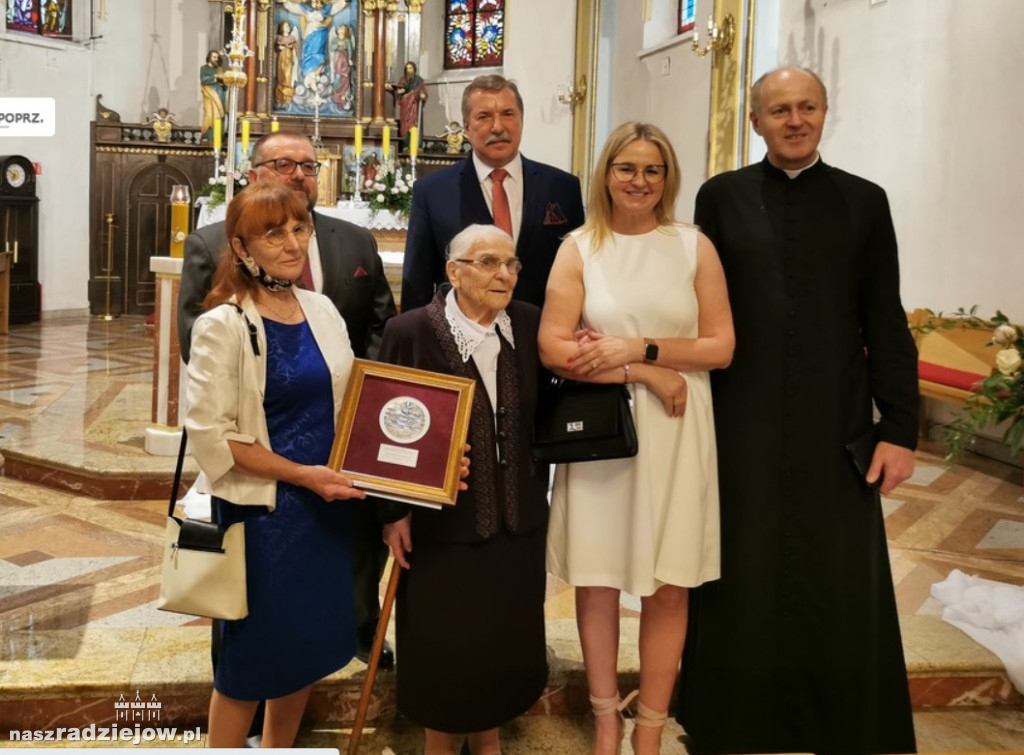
point(636, 524)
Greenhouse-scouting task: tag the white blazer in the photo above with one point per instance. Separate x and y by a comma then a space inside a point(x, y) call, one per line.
point(226, 386)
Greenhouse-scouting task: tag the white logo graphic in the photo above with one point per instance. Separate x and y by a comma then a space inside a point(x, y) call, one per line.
point(28, 116)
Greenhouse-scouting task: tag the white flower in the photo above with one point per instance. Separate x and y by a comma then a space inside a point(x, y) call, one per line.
point(380, 197)
point(213, 181)
point(405, 190)
point(1004, 335)
point(394, 189)
point(379, 186)
point(1008, 362)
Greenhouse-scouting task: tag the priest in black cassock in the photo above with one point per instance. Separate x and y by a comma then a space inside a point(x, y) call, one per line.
point(798, 648)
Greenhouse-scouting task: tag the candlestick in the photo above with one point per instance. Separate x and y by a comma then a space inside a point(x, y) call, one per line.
point(385, 144)
point(358, 146)
point(180, 211)
point(245, 136)
point(217, 128)
point(275, 125)
point(414, 142)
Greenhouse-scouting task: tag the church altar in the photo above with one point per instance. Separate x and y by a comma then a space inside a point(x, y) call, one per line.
point(358, 213)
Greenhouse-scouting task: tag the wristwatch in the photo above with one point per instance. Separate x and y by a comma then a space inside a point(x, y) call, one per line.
point(650, 351)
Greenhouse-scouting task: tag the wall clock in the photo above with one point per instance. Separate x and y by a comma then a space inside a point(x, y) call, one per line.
point(17, 176)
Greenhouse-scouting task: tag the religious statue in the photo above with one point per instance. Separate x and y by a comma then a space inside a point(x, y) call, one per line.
point(369, 167)
point(410, 93)
point(315, 21)
point(344, 53)
point(211, 82)
point(286, 44)
point(162, 122)
point(454, 135)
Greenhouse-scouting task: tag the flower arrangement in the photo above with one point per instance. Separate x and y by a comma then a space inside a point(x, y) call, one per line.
point(216, 187)
point(388, 188)
point(998, 398)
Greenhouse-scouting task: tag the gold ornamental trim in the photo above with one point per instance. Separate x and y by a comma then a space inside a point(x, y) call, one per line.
point(154, 151)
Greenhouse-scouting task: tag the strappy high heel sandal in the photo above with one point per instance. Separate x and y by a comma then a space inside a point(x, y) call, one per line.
point(648, 718)
point(607, 706)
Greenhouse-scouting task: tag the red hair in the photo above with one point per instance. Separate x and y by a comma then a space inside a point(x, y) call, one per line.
point(251, 213)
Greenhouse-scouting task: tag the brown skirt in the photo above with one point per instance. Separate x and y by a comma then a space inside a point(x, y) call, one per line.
point(470, 632)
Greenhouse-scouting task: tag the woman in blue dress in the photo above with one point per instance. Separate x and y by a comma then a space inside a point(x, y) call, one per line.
point(268, 369)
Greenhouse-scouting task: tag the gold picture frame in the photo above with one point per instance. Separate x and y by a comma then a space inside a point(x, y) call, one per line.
point(402, 432)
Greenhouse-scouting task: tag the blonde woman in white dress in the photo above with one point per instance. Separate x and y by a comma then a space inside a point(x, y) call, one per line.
point(636, 297)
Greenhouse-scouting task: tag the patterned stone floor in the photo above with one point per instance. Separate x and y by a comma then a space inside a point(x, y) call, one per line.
point(79, 563)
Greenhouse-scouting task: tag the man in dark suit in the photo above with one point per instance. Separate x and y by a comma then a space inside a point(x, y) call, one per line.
point(535, 203)
point(801, 635)
point(344, 266)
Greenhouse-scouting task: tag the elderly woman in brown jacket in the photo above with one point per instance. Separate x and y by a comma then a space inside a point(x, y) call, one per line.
point(470, 617)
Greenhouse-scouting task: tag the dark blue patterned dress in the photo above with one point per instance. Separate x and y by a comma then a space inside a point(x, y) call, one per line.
point(300, 626)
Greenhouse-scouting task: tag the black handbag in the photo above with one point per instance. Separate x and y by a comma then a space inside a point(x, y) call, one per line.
point(583, 422)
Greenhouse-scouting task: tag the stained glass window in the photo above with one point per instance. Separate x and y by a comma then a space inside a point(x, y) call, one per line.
point(687, 15)
point(474, 33)
point(23, 15)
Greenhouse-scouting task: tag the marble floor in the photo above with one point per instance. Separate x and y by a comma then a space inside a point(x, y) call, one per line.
point(81, 525)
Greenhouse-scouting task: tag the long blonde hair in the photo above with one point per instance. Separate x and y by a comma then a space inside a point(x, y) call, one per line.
point(599, 204)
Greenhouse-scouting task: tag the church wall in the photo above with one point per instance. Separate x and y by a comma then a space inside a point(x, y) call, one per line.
point(677, 101)
point(539, 50)
point(63, 188)
point(541, 39)
point(925, 99)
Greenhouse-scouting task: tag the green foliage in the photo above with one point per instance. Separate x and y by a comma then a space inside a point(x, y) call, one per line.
point(999, 397)
point(216, 188)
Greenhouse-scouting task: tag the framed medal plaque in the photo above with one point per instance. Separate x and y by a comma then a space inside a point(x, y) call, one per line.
point(402, 431)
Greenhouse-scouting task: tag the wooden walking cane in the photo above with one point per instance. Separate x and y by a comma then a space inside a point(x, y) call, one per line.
point(371, 669)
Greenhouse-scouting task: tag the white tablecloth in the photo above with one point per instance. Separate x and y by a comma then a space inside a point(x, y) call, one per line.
point(360, 215)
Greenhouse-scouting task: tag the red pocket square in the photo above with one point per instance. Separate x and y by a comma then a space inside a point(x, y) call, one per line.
point(553, 215)
point(360, 272)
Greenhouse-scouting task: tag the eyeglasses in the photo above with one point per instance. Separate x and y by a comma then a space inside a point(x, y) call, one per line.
point(491, 264)
point(285, 166)
point(276, 237)
point(626, 172)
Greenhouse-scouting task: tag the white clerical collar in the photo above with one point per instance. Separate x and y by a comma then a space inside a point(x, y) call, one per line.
point(794, 173)
point(513, 166)
point(468, 334)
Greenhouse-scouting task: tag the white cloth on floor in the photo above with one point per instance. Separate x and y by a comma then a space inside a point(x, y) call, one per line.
point(990, 613)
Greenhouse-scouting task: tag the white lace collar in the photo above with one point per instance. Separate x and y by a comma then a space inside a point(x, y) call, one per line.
point(468, 334)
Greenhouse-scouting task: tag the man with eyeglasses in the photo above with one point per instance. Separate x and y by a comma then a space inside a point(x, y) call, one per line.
point(534, 203)
point(343, 264)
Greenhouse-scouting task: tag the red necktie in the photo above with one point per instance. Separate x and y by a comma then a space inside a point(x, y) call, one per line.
point(499, 200)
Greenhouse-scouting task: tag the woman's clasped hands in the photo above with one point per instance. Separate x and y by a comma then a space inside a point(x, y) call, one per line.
point(597, 353)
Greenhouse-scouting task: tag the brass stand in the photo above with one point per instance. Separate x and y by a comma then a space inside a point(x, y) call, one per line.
point(107, 316)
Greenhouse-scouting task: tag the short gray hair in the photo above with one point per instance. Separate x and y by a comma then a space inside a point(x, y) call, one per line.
point(467, 240)
point(755, 90)
point(489, 83)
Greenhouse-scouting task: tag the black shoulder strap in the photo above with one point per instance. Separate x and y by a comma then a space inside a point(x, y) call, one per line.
point(177, 472)
point(250, 326)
